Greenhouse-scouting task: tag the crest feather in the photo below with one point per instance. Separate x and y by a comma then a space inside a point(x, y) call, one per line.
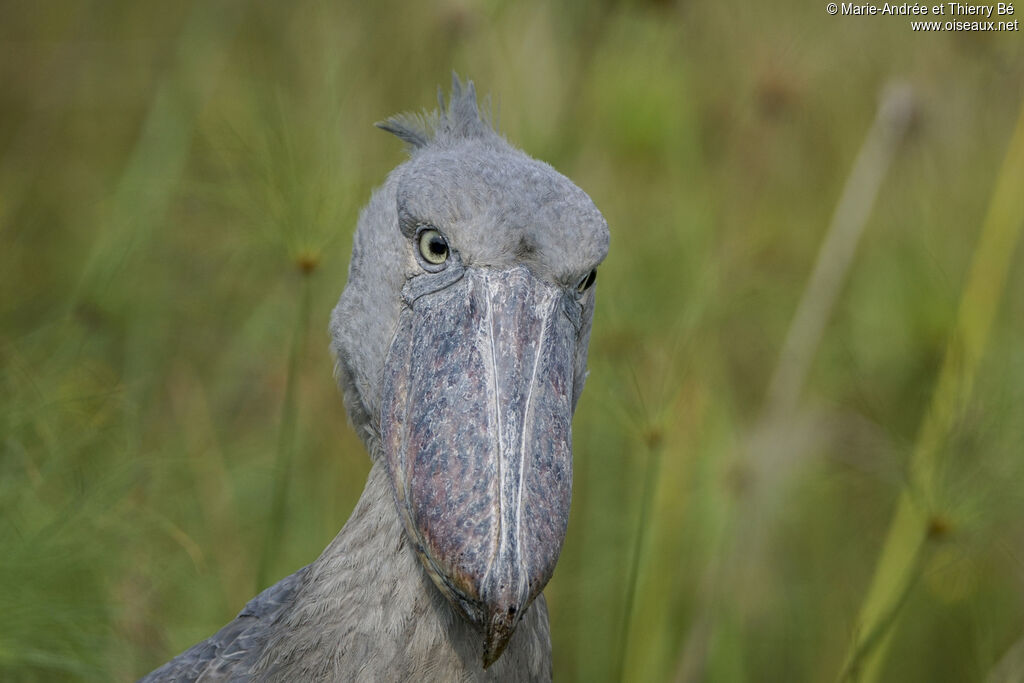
point(459, 119)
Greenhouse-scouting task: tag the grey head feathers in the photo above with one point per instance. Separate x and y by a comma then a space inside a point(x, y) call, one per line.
point(457, 120)
point(496, 206)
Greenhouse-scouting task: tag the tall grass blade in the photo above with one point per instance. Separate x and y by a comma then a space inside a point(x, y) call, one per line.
point(919, 516)
point(768, 460)
point(835, 256)
point(1010, 667)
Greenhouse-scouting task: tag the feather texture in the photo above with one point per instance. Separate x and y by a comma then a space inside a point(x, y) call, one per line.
point(459, 119)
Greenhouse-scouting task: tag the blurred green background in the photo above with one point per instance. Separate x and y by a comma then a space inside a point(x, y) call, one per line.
point(179, 182)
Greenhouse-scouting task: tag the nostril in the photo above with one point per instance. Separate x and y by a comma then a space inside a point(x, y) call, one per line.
point(512, 610)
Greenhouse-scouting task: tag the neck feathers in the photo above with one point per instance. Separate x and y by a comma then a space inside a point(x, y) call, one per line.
point(368, 611)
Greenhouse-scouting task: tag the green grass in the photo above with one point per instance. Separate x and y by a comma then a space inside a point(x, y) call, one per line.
point(166, 169)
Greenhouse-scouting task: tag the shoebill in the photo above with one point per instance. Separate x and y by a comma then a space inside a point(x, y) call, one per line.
point(461, 342)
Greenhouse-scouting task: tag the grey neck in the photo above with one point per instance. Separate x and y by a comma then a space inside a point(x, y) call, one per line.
point(367, 611)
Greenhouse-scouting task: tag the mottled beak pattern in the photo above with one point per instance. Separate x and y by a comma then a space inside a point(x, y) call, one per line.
point(475, 417)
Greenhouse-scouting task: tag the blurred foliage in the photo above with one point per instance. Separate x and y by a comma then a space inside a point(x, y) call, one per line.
point(176, 179)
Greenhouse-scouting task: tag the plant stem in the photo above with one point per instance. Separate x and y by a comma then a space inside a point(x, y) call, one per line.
point(652, 441)
point(768, 457)
point(835, 256)
point(918, 507)
point(286, 441)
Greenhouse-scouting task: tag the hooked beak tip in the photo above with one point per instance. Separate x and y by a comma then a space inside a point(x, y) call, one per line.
point(501, 624)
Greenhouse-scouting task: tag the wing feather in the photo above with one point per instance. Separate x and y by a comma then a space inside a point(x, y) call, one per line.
point(228, 654)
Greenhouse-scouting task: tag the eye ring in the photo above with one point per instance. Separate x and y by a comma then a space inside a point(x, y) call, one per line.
point(432, 246)
point(587, 282)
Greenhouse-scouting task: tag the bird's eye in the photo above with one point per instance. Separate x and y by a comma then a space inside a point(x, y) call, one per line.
point(587, 282)
point(433, 247)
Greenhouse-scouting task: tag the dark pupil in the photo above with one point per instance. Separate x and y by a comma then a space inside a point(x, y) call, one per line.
point(437, 246)
point(590, 279)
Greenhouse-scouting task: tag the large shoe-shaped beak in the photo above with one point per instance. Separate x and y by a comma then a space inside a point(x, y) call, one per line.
point(475, 424)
